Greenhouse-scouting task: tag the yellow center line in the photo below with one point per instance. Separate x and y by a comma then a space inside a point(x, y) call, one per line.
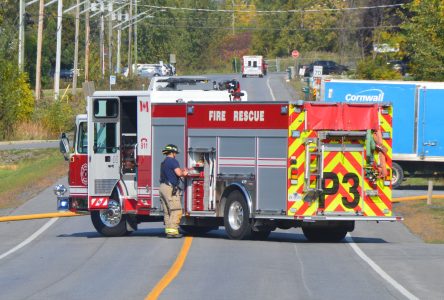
point(172, 272)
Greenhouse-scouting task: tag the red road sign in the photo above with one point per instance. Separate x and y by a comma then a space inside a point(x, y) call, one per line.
point(295, 53)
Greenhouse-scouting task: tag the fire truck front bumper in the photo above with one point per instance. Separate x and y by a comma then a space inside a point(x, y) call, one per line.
point(67, 202)
point(62, 198)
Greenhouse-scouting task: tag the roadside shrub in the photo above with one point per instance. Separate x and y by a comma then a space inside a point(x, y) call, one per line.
point(376, 69)
point(57, 117)
point(16, 99)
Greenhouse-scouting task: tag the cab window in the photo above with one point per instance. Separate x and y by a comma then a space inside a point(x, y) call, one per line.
point(105, 138)
point(82, 139)
point(106, 108)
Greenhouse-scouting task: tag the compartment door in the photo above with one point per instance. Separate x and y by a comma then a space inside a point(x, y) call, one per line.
point(343, 180)
point(430, 137)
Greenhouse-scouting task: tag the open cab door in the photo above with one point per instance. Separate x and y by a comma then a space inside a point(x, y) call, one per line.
point(103, 146)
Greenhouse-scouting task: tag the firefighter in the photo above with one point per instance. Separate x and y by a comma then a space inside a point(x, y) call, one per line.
point(170, 193)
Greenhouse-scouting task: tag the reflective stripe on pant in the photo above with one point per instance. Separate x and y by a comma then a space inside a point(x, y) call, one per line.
point(172, 209)
point(171, 231)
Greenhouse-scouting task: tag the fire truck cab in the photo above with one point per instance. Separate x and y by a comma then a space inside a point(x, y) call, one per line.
point(254, 167)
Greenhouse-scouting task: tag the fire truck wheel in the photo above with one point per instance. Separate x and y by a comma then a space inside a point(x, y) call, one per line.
point(324, 234)
point(197, 230)
point(236, 217)
point(111, 221)
point(397, 175)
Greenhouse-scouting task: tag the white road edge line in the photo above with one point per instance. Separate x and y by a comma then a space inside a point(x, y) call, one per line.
point(378, 269)
point(31, 238)
point(269, 87)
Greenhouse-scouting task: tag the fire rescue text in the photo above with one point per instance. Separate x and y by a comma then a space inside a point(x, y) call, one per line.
point(238, 115)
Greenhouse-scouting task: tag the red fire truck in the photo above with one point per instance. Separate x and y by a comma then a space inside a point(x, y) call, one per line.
point(254, 167)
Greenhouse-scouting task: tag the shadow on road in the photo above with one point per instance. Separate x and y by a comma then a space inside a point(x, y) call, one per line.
point(276, 237)
point(153, 232)
point(368, 240)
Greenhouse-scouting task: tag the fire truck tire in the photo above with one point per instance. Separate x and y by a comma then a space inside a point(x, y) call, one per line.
point(324, 235)
point(236, 217)
point(397, 175)
point(197, 230)
point(111, 221)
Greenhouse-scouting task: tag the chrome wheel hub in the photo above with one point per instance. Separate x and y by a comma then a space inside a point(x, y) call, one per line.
point(394, 177)
point(235, 215)
point(111, 217)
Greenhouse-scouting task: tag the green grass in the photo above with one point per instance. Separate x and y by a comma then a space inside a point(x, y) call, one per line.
point(426, 221)
point(422, 181)
point(24, 173)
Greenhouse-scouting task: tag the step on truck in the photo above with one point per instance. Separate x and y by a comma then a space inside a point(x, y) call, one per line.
point(254, 167)
point(418, 144)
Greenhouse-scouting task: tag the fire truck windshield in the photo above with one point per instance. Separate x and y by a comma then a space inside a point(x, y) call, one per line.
point(82, 138)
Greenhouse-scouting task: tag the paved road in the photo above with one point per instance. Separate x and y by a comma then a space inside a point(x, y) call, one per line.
point(70, 260)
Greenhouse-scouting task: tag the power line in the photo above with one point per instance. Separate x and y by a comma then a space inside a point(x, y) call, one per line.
point(165, 19)
point(274, 11)
point(275, 28)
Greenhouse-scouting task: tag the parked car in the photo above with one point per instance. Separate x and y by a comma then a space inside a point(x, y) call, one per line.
point(165, 70)
point(150, 70)
point(328, 67)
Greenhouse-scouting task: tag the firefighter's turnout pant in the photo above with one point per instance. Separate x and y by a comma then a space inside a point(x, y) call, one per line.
point(172, 209)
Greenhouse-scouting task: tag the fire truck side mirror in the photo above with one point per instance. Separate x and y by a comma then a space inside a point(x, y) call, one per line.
point(64, 145)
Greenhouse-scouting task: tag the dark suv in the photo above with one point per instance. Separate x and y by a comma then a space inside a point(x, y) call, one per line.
point(328, 67)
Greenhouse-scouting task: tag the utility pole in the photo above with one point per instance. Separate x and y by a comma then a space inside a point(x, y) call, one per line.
point(102, 40)
point(87, 7)
point(21, 50)
point(130, 63)
point(110, 37)
point(119, 38)
point(135, 33)
point(76, 50)
point(38, 67)
point(232, 22)
point(59, 49)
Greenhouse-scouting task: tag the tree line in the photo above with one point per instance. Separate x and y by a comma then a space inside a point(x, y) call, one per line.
point(206, 35)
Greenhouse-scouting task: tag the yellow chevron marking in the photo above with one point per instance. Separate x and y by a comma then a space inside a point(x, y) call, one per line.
point(336, 200)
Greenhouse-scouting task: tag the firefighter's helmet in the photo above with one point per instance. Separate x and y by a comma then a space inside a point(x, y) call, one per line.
point(170, 148)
